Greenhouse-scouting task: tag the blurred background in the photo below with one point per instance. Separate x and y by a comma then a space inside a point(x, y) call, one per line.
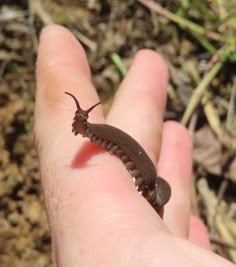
point(197, 40)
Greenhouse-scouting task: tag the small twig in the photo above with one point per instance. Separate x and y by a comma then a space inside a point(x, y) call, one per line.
point(198, 92)
point(184, 23)
point(171, 92)
point(32, 30)
point(212, 116)
point(36, 7)
point(85, 40)
point(193, 123)
point(212, 61)
point(220, 196)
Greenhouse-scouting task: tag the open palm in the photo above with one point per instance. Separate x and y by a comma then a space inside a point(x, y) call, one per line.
point(96, 216)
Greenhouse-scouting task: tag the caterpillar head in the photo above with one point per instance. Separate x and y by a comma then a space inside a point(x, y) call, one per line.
point(79, 125)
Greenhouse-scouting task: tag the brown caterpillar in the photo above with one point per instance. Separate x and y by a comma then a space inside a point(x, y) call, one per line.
point(154, 188)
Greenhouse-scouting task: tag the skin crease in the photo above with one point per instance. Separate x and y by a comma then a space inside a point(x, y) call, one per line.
point(95, 214)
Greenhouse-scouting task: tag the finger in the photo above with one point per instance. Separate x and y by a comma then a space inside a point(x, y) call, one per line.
point(139, 103)
point(198, 233)
point(175, 165)
point(61, 66)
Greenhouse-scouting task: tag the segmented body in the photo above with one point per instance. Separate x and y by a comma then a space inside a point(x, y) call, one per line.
point(154, 188)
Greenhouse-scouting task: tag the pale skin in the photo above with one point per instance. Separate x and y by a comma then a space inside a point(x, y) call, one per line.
point(95, 214)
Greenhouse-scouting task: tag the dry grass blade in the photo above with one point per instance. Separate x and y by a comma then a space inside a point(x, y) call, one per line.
point(199, 91)
point(221, 220)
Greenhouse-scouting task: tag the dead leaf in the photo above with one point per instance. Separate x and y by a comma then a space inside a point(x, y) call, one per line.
point(207, 150)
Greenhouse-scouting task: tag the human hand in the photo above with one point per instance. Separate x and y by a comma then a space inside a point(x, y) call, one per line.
point(96, 216)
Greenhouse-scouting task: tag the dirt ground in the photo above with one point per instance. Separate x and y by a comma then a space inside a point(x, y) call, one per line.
point(201, 95)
